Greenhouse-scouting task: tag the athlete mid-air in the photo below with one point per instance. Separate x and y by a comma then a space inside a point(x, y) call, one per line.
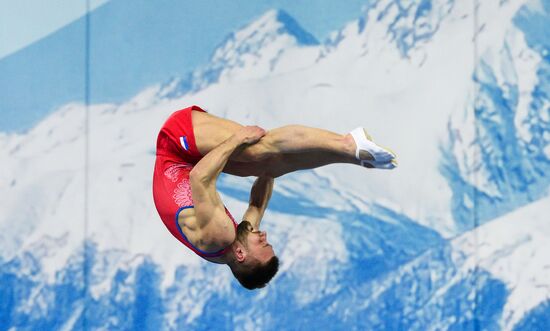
point(194, 147)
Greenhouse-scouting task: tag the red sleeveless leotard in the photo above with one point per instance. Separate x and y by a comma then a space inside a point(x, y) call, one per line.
point(176, 155)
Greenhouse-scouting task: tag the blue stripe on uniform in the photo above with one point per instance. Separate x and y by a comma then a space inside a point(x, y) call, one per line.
point(184, 144)
point(204, 254)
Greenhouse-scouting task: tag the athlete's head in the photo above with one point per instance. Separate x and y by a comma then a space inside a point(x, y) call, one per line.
point(254, 262)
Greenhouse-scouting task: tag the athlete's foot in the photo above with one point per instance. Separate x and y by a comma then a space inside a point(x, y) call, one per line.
point(387, 165)
point(369, 153)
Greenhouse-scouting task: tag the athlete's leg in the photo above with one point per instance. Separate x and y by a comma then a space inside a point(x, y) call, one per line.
point(246, 169)
point(210, 131)
point(301, 139)
point(282, 164)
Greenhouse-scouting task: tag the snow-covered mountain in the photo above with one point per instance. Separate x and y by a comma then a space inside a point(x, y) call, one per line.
point(454, 238)
point(272, 44)
point(497, 156)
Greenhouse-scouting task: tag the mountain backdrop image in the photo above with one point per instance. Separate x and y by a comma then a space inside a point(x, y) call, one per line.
point(455, 238)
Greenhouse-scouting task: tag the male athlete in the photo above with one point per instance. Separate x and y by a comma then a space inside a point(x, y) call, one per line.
point(194, 147)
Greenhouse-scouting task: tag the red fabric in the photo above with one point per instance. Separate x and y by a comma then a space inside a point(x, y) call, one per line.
point(179, 124)
point(171, 187)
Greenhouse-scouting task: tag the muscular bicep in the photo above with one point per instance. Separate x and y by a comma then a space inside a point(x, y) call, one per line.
point(206, 200)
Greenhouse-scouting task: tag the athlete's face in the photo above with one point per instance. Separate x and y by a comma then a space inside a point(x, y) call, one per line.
point(255, 242)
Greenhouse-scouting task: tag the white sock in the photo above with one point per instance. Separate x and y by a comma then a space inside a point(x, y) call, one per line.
point(375, 154)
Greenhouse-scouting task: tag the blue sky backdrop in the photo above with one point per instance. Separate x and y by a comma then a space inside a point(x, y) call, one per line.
point(25, 21)
point(134, 44)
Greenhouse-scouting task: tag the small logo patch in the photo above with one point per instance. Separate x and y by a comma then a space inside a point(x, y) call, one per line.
point(184, 144)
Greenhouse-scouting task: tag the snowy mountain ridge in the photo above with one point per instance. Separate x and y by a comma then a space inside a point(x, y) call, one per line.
point(269, 44)
point(498, 144)
point(520, 261)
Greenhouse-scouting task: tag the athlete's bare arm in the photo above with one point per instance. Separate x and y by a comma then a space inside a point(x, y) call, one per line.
point(259, 198)
point(208, 204)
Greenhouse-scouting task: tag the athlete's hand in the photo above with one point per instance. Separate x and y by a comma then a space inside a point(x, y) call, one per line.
point(250, 134)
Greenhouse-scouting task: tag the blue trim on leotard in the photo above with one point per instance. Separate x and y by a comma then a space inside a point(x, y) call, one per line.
point(205, 254)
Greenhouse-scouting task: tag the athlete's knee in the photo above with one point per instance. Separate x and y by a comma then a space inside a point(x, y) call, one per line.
point(274, 173)
point(274, 166)
point(258, 152)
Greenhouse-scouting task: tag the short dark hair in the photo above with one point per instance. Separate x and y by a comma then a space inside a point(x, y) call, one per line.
point(257, 276)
